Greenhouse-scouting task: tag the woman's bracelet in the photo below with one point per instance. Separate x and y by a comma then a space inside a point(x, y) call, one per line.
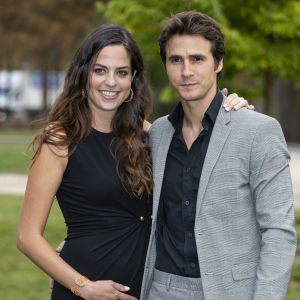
point(80, 281)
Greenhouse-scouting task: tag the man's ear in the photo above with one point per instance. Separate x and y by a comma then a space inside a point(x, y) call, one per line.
point(219, 66)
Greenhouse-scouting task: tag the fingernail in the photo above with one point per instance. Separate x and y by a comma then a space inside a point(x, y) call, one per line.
point(236, 107)
point(227, 108)
point(127, 288)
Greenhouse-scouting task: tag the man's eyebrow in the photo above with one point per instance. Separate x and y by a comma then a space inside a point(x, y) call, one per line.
point(174, 56)
point(190, 55)
point(197, 55)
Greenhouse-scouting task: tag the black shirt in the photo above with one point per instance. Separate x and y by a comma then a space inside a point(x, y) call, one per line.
point(176, 244)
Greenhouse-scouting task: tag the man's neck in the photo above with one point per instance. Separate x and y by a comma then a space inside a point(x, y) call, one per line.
point(194, 110)
point(192, 121)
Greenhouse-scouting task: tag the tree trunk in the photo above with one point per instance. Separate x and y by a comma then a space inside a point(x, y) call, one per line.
point(44, 108)
point(282, 101)
point(286, 99)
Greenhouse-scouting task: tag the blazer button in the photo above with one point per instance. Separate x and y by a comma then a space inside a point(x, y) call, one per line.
point(142, 219)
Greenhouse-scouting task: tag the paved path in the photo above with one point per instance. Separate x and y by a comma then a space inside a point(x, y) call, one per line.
point(12, 183)
point(15, 183)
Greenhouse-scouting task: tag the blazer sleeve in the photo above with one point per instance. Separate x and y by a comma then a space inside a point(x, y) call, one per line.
point(271, 187)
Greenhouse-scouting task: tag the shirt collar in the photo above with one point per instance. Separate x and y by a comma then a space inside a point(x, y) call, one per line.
point(214, 107)
point(176, 116)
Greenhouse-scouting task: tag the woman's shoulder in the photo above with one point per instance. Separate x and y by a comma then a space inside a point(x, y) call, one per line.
point(54, 136)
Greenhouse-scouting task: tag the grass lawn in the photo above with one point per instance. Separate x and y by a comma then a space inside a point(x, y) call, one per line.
point(17, 132)
point(21, 280)
point(14, 156)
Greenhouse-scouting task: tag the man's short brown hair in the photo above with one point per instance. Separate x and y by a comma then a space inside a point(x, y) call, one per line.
point(194, 23)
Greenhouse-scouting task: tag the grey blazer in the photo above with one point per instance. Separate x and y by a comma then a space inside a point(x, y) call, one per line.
point(244, 226)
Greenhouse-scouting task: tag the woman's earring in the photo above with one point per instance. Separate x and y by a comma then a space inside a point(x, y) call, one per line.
point(83, 94)
point(130, 97)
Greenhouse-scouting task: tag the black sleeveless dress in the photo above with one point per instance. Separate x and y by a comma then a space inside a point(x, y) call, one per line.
point(108, 228)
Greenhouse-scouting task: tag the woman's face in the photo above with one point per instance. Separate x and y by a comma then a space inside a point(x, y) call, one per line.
point(109, 80)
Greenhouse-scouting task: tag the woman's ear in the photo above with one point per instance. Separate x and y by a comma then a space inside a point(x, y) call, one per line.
point(133, 75)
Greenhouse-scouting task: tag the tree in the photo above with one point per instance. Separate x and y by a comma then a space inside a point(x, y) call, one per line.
point(43, 34)
point(262, 37)
point(271, 34)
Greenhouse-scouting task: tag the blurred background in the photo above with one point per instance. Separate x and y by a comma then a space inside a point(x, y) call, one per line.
point(38, 39)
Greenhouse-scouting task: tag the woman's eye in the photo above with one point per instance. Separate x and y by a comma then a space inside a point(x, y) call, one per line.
point(123, 73)
point(99, 71)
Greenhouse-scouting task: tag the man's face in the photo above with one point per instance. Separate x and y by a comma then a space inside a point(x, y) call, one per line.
point(191, 68)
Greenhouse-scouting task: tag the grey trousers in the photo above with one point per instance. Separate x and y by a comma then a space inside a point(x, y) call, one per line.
point(167, 286)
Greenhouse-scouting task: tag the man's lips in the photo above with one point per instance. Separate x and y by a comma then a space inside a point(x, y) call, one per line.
point(187, 84)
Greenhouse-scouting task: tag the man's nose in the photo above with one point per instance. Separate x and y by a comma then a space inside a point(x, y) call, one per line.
point(187, 70)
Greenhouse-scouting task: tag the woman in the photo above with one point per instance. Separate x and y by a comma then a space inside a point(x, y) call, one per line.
point(93, 156)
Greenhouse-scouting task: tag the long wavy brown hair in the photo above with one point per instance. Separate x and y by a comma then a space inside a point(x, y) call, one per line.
point(70, 119)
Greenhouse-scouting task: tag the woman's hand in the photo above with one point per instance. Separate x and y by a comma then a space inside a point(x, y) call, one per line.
point(233, 101)
point(104, 290)
point(98, 290)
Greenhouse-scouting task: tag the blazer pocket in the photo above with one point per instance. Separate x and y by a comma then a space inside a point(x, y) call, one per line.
point(244, 271)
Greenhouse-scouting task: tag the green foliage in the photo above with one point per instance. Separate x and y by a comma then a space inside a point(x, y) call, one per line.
point(266, 39)
point(144, 19)
point(261, 36)
point(167, 94)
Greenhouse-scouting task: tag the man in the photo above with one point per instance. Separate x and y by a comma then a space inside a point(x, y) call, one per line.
point(223, 205)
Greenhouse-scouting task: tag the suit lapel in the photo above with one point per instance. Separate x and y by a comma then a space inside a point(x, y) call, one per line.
point(159, 163)
point(218, 138)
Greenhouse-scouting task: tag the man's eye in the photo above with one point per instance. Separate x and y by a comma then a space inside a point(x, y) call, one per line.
point(197, 58)
point(175, 60)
